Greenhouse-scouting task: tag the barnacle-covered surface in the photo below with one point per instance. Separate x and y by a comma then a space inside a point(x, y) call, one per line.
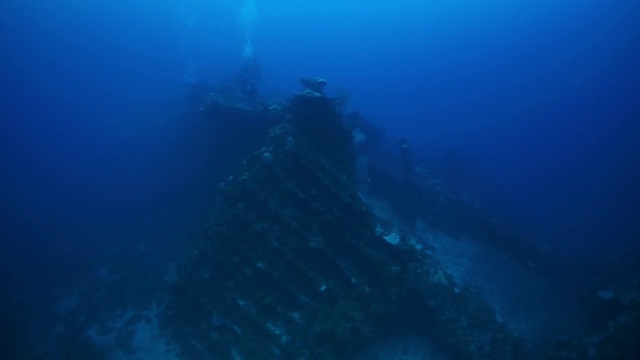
point(294, 265)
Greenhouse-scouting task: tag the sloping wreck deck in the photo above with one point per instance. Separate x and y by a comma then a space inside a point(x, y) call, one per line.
point(294, 264)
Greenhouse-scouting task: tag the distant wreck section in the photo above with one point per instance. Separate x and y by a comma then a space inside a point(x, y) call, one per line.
point(294, 265)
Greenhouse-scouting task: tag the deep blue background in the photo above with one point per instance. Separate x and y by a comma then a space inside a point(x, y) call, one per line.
point(99, 146)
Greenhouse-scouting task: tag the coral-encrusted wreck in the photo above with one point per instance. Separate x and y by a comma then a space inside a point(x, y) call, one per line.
point(294, 265)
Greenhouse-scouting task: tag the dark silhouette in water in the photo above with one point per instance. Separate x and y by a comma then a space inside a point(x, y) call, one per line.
point(247, 80)
point(293, 265)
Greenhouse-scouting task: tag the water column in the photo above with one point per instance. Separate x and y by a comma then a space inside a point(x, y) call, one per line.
point(248, 14)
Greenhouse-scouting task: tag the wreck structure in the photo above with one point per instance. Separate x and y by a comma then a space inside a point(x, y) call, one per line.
point(294, 264)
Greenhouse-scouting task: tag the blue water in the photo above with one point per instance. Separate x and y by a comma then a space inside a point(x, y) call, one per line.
point(101, 149)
